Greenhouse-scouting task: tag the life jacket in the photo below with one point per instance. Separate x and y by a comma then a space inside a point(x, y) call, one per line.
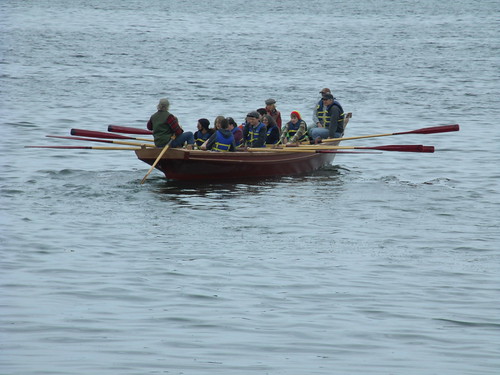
point(323, 115)
point(222, 143)
point(294, 128)
point(253, 133)
point(200, 138)
point(268, 134)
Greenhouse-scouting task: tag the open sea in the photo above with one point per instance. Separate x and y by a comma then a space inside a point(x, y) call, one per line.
point(382, 263)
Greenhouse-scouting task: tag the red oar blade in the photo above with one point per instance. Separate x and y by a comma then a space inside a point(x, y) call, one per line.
point(434, 129)
point(128, 130)
point(96, 134)
point(401, 148)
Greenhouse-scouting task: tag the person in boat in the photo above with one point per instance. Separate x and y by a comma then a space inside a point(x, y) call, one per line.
point(237, 132)
point(295, 130)
point(331, 120)
point(273, 112)
point(272, 131)
point(255, 132)
point(222, 139)
point(165, 127)
point(217, 122)
point(318, 111)
point(216, 127)
point(203, 132)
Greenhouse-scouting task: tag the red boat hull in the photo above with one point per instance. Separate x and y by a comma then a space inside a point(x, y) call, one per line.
point(196, 165)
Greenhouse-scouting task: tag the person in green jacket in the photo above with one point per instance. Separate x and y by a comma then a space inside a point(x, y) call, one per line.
point(165, 127)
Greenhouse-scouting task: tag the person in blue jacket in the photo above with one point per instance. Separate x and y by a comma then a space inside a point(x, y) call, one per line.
point(222, 140)
point(254, 132)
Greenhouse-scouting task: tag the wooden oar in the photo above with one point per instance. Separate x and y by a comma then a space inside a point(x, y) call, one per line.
point(127, 130)
point(95, 134)
point(165, 149)
point(400, 148)
point(87, 147)
point(431, 130)
point(102, 140)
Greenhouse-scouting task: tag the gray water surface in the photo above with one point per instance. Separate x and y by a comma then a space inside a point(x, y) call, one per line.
point(379, 264)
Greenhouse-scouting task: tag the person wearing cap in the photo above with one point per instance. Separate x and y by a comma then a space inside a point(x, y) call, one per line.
point(318, 111)
point(165, 127)
point(254, 132)
point(331, 120)
point(295, 131)
point(203, 132)
point(273, 112)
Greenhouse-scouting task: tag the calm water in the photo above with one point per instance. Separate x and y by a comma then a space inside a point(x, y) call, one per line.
point(380, 264)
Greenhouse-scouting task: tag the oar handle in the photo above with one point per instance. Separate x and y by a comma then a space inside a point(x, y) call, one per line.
point(158, 159)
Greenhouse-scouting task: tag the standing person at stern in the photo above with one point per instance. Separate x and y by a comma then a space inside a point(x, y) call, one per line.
point(165, 126)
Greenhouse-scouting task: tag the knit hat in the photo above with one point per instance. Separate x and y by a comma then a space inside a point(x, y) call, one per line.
point(204, 123)
point(296, 114)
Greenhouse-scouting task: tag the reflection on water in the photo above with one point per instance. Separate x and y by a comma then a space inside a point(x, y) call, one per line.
point(329, 174)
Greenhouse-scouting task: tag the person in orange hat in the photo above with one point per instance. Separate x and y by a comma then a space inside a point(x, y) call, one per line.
point(295, 131)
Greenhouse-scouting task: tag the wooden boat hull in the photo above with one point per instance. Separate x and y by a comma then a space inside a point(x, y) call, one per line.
point(196, 165)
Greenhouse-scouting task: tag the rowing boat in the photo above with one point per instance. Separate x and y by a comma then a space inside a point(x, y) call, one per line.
point(196, 165)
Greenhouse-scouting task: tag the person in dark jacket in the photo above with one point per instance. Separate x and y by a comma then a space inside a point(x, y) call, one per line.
point(165, 127)
point(254, 132)
point(272, 130)
point(331, 121)
point(222, 139)
point(237, 132)
point(203, 132)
